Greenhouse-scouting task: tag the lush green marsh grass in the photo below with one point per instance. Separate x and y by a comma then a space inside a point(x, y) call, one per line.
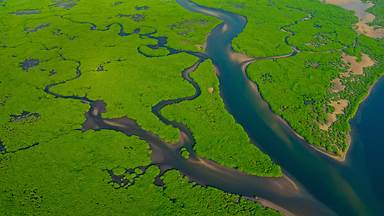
point(218, 136)
point(65, 41)
point(305, 80)
point(133, 86)
point(67, 176)
point(64, 171)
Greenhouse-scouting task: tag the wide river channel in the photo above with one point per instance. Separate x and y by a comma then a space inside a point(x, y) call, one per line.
point(352, 187)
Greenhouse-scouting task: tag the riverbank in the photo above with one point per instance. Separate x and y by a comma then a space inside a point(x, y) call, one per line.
point(340, 158)
point(278, 140)
point(86, 54)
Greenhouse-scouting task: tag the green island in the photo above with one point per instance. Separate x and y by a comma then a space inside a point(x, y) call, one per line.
point(60, 57)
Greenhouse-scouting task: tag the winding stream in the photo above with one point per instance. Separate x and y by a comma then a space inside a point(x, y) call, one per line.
point(343, 187)
point(313, 184)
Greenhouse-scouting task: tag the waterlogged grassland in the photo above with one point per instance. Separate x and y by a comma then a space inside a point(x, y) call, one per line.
point(49, 166)
point(66, 40)
point(217, 135)
point(184, 30)
point(132, 89)
point(68, 176)
point(323, 34)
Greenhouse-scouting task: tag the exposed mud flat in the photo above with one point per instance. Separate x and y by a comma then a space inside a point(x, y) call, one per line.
point(337, 86)
point(354, 67)
point(365, 18)
point(357, 67)
point(202, 171)
point(339, 107)
point(240, 57)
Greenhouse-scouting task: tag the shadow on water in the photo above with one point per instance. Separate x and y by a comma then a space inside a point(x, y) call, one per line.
point(343, 187)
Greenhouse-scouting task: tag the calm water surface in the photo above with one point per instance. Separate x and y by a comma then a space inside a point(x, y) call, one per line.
point(350, 188)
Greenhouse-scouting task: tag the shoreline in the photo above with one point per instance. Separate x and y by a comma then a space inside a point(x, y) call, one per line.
point(354, 113)
point(342, 158)
point(282, 151)
point(285, 122)
point(269, 204)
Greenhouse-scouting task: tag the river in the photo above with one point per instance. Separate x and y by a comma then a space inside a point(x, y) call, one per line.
point(345, 188)
point(313, 183)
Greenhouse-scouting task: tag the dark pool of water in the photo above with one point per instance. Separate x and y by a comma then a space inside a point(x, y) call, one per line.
point(2, 147)
point(29, 63)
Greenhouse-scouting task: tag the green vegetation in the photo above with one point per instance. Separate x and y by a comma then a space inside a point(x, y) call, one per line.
point(60, 46)
point(121, 52)
point(218, 136)
point(378, 11)
point(67, 176)
point(49, 167)
point(322, 33)
point(153, 52)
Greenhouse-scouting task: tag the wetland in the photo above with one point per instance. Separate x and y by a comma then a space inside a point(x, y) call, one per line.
point(179, 120)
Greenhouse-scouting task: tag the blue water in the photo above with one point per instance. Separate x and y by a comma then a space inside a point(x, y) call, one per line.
point(368, 139)
point(351, 188)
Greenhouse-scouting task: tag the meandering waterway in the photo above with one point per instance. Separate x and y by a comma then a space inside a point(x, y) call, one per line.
point(313, 184)
point(346, 188)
